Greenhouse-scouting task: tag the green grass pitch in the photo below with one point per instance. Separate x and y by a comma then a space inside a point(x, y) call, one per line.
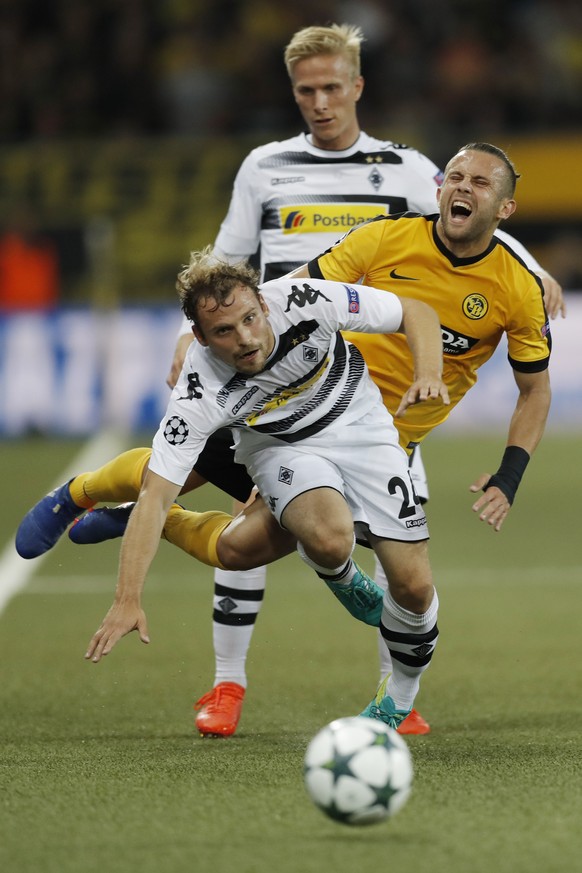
point(101, 768)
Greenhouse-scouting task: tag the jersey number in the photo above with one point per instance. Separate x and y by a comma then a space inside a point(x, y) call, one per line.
point(409, 498)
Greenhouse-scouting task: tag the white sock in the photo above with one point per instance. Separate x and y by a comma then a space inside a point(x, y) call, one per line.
point(341, 575)
point(383, 651)
point(412, 638)
point(238, 597)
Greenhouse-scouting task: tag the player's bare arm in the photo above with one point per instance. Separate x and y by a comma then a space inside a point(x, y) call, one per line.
point(182, 346)
point(138, 548)
point(421, 326)
point(525, 431)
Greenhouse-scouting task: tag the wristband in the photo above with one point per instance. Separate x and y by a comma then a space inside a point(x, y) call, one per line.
point(507, 479)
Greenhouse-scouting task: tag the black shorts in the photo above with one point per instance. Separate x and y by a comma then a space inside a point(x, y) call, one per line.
point(216, 464)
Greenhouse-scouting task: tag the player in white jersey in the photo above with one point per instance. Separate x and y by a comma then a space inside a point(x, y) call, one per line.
point(291, 200)
point(313, 430)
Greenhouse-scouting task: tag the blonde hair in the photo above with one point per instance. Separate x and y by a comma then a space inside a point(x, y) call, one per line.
point(206, 278)
point(336, 39)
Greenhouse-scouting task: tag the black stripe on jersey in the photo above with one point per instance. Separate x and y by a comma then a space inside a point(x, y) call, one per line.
point(277, 269)
point(292, 159)
point(336, 372)
point(356, 370)
point(237, 594)
point(289, 340)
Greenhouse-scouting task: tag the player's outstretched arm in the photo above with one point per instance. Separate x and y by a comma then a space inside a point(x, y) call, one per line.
point(422, 329)
point(525, 431)
point(138, 548)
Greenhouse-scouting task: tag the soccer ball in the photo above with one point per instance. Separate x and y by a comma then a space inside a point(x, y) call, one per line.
point(358, 770)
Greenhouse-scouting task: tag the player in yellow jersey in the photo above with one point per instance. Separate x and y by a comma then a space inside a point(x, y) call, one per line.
point(480, 290)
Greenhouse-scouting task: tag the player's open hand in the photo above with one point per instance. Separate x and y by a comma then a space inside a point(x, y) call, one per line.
point(121, 619)
point(422, 390)
point(493, 506)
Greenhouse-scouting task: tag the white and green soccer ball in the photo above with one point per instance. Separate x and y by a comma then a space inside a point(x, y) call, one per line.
point(358, 770)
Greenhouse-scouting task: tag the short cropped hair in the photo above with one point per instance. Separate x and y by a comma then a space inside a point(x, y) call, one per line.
point(208, 279)
point(512, 174)
point(335, 39)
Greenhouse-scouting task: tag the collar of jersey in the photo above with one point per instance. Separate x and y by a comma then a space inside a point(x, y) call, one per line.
point(456, 261)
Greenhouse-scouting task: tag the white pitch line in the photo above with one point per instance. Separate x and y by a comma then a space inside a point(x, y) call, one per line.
point(16, 571)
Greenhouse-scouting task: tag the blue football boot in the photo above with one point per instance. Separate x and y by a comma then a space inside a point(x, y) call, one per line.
point(361, 597)
point(383, 708)
point(98, 525)
point(45, 523)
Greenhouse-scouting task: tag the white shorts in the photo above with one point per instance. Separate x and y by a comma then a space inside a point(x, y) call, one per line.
point(359, 460)
point(418, 474)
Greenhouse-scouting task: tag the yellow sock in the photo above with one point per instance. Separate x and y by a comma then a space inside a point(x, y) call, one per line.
point(196, 533)
point(115, 482)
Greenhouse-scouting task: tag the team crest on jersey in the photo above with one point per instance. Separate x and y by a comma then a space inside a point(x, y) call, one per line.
point(475, 306)
point(375, 179)
point(353, 299)
point(310, 354)
point(285, 475)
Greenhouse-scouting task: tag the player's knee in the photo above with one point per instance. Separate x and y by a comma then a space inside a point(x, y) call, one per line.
point(412, 593)
point(232, 557)
point(330, 548)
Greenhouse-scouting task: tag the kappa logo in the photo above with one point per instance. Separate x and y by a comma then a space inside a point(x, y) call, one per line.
point(244, 399)
point(272, 501)
point(416, 522)
point(195, 388)
point(475, 306)
point(286, 180)
point(302, 296)
point(286, 475)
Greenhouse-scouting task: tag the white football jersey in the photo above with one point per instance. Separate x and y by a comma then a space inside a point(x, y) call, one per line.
point(296, 200)
point(312, 379)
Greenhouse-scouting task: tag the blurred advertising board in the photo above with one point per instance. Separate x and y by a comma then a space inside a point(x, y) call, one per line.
point(75, 370)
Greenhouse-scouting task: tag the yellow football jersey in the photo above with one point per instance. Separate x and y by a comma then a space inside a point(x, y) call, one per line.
point(478, 299)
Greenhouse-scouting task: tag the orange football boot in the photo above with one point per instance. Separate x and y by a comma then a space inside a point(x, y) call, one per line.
point(220, 710)
point(414, 723)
